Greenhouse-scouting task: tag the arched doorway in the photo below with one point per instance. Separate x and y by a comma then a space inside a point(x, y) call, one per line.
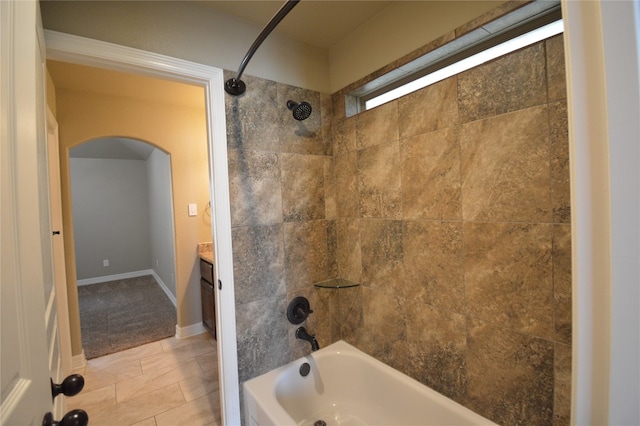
point(78, 50)
point(124, 238)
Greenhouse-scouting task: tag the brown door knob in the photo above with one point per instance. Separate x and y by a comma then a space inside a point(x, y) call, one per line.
point(70, 386)
point(72, 418)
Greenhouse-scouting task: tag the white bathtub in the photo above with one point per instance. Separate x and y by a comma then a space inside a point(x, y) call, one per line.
point(347, 387)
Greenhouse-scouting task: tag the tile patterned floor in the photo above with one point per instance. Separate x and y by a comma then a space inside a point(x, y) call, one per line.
point(170, 382)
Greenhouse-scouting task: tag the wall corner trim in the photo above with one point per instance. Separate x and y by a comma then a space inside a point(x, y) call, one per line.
point(189, 331)
point(78, 361)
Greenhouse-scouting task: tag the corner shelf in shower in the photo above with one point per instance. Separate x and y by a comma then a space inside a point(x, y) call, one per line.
point(336, 283)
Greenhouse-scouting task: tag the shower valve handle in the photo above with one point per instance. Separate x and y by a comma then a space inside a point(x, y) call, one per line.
point(298, 310)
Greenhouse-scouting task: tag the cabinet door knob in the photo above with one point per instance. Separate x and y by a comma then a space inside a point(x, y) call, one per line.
point(72, 418)
point(70, 386)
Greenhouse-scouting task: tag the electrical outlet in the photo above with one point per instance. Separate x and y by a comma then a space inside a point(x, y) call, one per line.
point(105, 262)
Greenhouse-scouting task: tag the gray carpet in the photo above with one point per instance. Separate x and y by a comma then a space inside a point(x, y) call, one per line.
point(122, 314)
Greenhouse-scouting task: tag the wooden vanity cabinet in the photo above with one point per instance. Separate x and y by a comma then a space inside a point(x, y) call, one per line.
point(207, 295)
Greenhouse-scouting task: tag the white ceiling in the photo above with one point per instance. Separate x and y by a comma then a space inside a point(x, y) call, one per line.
point(308, 20)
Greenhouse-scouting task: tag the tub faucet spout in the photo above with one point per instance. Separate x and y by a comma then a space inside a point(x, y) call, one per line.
point(302, 334)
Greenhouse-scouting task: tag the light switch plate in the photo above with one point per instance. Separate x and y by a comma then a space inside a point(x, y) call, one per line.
point(193, 209)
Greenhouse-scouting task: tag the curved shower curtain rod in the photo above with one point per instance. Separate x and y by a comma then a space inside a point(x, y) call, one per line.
point(235, 86)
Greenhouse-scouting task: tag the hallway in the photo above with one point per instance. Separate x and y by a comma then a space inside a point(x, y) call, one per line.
point(169, 382)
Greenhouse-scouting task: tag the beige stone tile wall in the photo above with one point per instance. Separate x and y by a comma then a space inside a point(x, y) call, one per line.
point(453, 214)
point(283, 224)
point(450, 206)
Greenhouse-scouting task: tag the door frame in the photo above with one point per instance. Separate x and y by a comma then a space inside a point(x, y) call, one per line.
point(60, 277)
point(85, 51)
point(602, 64)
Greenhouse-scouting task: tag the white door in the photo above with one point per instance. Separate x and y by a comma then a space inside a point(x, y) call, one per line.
point(29, 343)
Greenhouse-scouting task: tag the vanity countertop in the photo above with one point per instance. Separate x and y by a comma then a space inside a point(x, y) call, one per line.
point(205, 251)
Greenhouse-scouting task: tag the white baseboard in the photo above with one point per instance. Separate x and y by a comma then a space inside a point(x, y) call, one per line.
point(164, 288)
point(134, 274)
point(78, 361)
point(124, 276)
point(190, 330)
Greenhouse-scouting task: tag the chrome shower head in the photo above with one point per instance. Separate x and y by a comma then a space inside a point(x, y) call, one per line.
point(301, 111)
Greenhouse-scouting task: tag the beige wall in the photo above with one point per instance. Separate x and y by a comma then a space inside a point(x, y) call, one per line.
point(181, 132)
point(204, 35)
point(401, 28)
point(192, 32)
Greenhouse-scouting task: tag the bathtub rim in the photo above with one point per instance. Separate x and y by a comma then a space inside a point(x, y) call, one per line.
point(265, 385)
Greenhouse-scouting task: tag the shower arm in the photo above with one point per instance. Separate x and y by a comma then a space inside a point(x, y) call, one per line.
point(235, 86)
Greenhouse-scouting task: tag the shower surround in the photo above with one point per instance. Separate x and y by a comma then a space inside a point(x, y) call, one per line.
point(450, 207)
